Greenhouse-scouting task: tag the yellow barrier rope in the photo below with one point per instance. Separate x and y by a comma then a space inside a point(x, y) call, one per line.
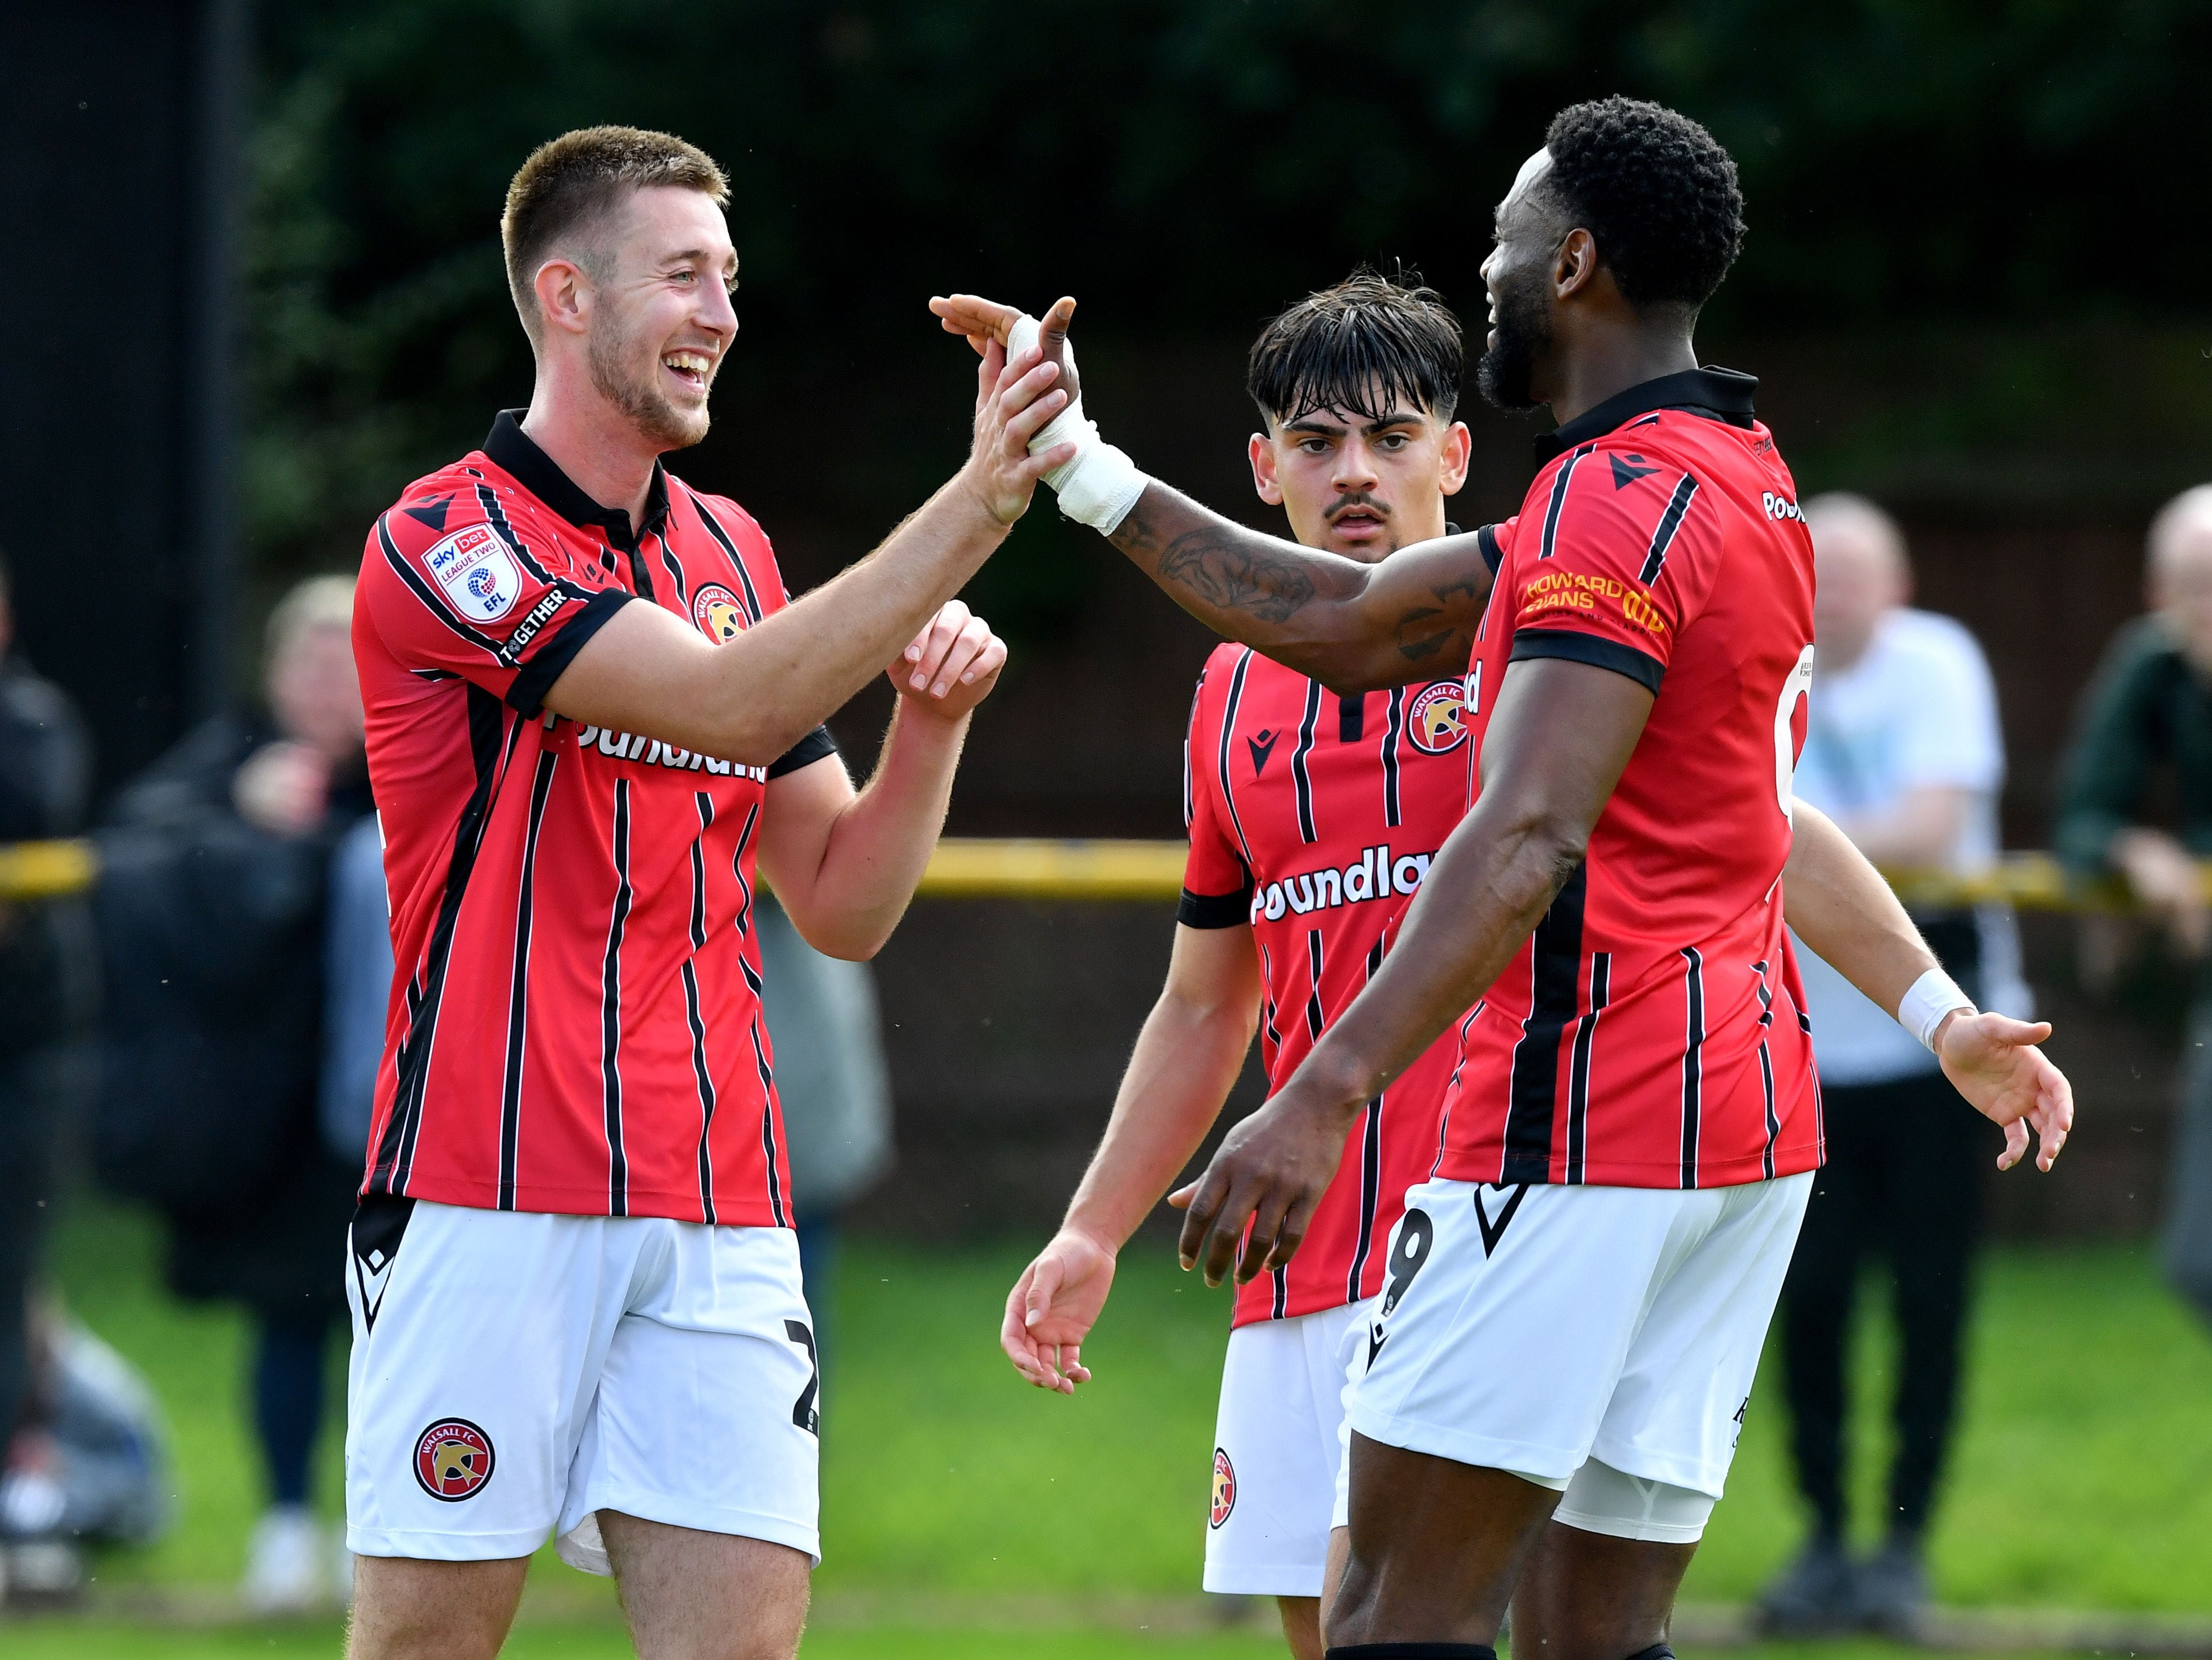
point(46, 870)
point(1036, 867)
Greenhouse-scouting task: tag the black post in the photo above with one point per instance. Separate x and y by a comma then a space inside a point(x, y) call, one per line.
point(212, 348)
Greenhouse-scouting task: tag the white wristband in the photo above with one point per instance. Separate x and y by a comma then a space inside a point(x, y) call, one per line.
point(1933, 995)
point(1099, 483)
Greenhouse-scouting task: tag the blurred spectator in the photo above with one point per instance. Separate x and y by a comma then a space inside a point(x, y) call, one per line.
point(91, 1462)
point(357, 965)
point(2144, 740)
point(46, 986)
point(212, 908)
point(836, 1089)
point(1903, 750)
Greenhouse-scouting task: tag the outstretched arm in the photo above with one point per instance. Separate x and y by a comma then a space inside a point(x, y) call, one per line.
point(1352, 627)
point(1185, 1062)
point(1839, 906)
point(649, 671)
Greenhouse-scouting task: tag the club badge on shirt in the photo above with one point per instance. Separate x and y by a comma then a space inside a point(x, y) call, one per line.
point(1437, 721)
point(717, 612)
point(478, 575)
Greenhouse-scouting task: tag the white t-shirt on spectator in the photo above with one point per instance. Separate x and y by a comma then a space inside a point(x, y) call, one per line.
point(1918, 708)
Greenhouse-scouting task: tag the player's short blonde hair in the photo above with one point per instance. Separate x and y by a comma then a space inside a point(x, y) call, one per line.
point(570, 184)
point(320, 602)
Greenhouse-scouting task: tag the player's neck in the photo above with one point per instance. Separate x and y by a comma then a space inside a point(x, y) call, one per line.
point(598, 446)
point(1605, 357)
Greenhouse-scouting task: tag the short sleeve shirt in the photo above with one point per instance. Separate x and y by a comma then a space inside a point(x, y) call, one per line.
point(1313, 819)
point(1652, 1031)
point(574, 1023)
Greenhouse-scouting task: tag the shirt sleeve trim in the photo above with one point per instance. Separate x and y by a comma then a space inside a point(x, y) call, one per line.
point(1492, 555)
point(817, 745)
point(525, 693)
point(1215, 910)
point(1594, 649)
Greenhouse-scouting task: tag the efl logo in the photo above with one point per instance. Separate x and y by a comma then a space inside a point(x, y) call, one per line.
point(478, 573)
point(1225, 1488)
point(452, 1460)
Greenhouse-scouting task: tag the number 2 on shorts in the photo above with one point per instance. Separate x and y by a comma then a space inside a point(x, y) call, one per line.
point(802, 1410)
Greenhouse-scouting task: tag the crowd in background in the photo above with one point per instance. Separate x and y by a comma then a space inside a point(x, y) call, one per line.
point(206, 1026)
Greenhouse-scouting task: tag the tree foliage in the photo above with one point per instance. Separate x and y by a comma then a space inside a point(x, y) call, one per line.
point(1200, 162)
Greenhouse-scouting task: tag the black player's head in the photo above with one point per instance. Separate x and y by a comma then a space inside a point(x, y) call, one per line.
point(1357, 384)
point(1628, 204)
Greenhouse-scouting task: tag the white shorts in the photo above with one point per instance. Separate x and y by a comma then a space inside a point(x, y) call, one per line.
point(515, 1373)
point(1279, 1443)
point(1531, 1329)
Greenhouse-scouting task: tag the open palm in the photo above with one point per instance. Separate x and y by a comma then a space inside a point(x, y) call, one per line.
point(1053, 1307)
point(1992, 1061)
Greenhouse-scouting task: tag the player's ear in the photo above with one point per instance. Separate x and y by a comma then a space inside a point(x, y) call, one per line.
point(1459, 450)
point(1261, 449)
point(1574, 265)
point(563, 294)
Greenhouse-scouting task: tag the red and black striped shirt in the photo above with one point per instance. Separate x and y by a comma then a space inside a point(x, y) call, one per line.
point(1313, 819)
point(575, 1022)
point(1652, 1033)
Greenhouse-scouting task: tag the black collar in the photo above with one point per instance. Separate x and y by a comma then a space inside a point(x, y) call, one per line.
point(1716, 393)
point(515, 454)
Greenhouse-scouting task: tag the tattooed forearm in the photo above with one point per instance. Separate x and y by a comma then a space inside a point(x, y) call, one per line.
point(1221, 571)
point(1351, 626)
point(1424, 634)
point(1259, 582)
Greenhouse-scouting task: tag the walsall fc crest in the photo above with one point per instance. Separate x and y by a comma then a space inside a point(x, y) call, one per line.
point(1225, 1488)
point(1437, 721)
point(717, 612)
point(452, 1460)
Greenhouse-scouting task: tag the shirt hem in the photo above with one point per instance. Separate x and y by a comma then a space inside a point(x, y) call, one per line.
point(1297, 1308)
point(1483, 1167)
point(669, 1207)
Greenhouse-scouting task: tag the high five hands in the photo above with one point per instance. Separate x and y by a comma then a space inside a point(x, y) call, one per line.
point(1014, 398)
point(986, 323)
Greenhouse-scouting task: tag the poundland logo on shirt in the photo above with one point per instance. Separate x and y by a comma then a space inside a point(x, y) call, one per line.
point(1376, 875)
point(633, 746)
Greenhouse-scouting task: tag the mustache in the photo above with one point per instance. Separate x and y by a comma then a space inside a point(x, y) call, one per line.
point(1360, 499)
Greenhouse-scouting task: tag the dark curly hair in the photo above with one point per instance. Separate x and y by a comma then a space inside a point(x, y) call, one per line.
point(1369, 339)
point(1657, 192)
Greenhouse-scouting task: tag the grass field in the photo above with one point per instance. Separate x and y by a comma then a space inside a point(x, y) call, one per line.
point(52, 1640)
point(2083, 1479)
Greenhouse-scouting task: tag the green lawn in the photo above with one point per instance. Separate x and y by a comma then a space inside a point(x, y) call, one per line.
point(70, 1640)
point(2083, 1479)
point(64, 1640)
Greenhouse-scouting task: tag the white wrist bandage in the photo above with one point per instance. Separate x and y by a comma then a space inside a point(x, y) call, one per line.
point(1100, 483)
point(1933, 995)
